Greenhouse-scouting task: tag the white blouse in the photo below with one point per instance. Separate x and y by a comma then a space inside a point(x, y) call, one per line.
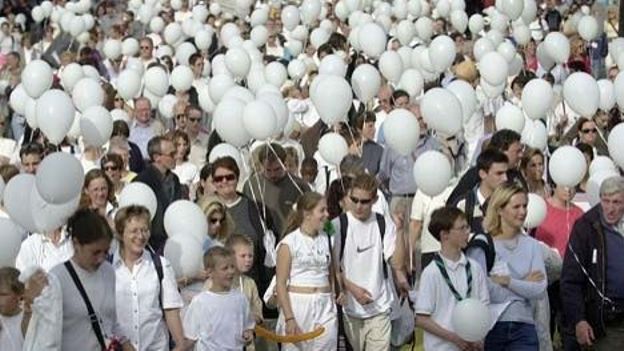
point(39, 251)
point(138, 307)
point(310, 259)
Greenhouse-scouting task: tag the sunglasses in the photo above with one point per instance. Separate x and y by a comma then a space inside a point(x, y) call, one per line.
point(356, 200)
point(228, 177)
point(585, 131)
point(217, 220)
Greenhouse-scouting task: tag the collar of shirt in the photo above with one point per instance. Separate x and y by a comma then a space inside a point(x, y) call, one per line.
point(45, 238)
point(118, 260)
point(480, 197)
point(454, 265)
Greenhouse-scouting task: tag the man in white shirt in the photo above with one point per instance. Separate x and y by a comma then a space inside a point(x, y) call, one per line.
point(369, 249)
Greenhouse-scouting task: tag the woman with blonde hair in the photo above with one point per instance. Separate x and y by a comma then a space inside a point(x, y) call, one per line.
point(220, 224)
point(532, 168)
point(517, 278)
point(304, 274)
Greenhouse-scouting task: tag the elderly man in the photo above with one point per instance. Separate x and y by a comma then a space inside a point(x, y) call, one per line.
point(144, 127)
point(165, 184)
point(197, 134)
point(592, 279)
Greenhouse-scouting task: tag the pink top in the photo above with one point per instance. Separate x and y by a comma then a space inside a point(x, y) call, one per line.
point(556, 228)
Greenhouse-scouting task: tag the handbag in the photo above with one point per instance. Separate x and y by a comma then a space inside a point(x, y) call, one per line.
point(95, 323)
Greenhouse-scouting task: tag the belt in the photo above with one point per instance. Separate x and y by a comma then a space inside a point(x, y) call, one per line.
point(309, 289)
point(404, 195)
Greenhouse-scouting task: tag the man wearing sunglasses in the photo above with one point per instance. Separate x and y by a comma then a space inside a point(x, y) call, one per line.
point(165, 184)
point(197, 134)
point(366, 261)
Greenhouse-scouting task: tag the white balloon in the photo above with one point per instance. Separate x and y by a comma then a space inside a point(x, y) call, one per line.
point(77, 26)
point(259, 17)
point(535, 135)
point(275, 73)
point(37, 14)
point(459, 20)
point(536, 211)
point(333, 148)
point(490, 90)
point(30, 112)
point(543, 57)
point(17, 205)
point(181, 78)
point(588, 28)
point(537, 98)
point(471, 320)
point(112, 49)
point(296, 69)
point(156, 81)
point(405, 32)
point(318, 37)
point(238, 62)
point(138, 194)
point(55, 115)
point(18, 99)
point(96, 126)
point(529, 12)
point(476, 23)
point(229, 32)
point(49, 216)
point(607, 94)
point(557, 46)
point(372, 39)
point(290, 17)
point(186, 218)
point(333, 64)
point(512, 8)
point(128, 84)
point(279, 108)
point(522, 34)
point(120, 115)
point(581, 93)
point(215, 9)
point(12, 236)
point(507, 50)
point(36, 78)
point(432, 183)
point(203, 39)
point(310, 11)
point(332, 98)
point(190, 27)
point(87, 92)
point(442, 111)
point(481, 47)
point(157, 25)
point(218, 86)
point(616, 144)
point(132, 63)
point(511, 117)
point(402, 131)
point(391, 66)
point(172, 33)
point(412, 82)
point(595, 181)
point(567, 166)
point(442, 53)
point(259, 119)
point(466, 95)
point(228, 120)
point(494, 68)
point(225, 150)
point(59, 178)
point(424, 28)
point(184, 52)
point(185, 253)
point(601, 163)
point(366, 82)
point(259, 35)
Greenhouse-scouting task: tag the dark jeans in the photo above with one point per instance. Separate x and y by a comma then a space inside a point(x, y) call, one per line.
point(512, 336)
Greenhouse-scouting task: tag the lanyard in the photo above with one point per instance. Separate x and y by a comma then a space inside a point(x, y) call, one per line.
point(440, 263)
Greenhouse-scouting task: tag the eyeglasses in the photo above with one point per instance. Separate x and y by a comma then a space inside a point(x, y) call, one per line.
point(356, 200)
point(585, 131)
point(217, 220)
point(463, 228)
point(227, 177)
point(170, 154)
point(111, 168)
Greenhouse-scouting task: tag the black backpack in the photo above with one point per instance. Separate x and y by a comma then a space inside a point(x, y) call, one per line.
point(344, 224)
point(484, 242)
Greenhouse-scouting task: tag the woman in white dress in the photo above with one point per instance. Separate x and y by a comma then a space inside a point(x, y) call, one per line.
point(304, 277)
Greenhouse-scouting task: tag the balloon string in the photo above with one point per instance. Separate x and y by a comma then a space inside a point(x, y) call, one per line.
point(360, 144)
point(254, 177)
point(284, 167)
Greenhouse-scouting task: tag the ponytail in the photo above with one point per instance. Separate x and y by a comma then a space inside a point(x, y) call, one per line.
point(306, 202)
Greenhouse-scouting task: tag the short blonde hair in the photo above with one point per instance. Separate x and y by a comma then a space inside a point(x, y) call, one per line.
point(499, 199)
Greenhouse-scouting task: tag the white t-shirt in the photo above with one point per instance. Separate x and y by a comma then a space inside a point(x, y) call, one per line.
point(138, 306)
point(310, 259)
point(436, 300)
point(217, 321)
point(11, 337)
point(362, 263)
point(38, 250)
point(422, 208)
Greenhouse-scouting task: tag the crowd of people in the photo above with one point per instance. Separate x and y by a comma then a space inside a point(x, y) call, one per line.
point(314, 175)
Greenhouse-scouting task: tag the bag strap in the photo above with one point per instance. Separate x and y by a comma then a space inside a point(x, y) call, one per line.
point(381, 222)
point(440, 263)
point(159, 272)
point(95, 324)
point(485, 243)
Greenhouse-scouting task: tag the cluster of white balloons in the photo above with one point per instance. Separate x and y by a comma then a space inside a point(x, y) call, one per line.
point(187, 228)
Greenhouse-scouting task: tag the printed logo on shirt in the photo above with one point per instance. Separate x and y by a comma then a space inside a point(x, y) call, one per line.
point(360, 250)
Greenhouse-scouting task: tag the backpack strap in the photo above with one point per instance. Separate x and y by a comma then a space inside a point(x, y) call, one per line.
point(381, 222)
point(159, 272)
point(469, 206)
point(344, 222)
point(95, 323)
point(485, 243)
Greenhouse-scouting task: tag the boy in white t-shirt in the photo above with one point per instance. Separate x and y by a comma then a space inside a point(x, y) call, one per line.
point(11, 314)
point(450, 278)
point(219, 319)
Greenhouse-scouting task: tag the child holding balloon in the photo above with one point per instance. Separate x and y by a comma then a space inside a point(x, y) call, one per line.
point(449, 279)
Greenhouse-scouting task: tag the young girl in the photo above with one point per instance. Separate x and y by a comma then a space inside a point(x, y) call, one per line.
point(304, 276)
point(13, 320)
